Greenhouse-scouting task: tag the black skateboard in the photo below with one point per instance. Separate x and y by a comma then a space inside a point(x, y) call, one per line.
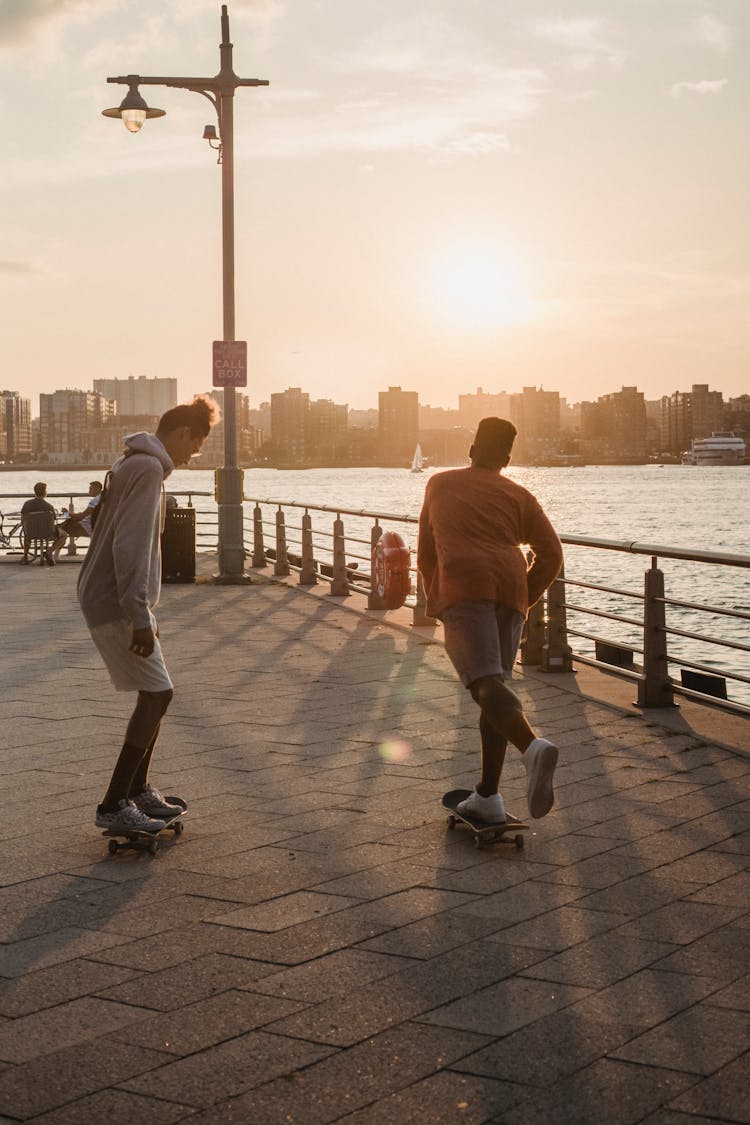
point(120, 839)
point(509, 832)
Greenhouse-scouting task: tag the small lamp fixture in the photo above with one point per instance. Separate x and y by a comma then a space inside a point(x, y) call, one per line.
point(214, 142)
point(133, 110)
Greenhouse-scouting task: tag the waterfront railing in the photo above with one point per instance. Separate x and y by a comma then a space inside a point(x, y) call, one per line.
point(661, 645)
point(668, 644)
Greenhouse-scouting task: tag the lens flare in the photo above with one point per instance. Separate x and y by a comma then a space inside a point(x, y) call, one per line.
point(394, 751)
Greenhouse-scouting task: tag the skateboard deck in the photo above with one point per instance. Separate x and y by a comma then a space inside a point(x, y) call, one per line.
point(122, 838)
point(509, 832)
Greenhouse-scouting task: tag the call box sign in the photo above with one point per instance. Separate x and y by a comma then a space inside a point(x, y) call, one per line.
point(230, 363)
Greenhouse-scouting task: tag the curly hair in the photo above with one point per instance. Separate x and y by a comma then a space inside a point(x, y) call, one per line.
point(200, 415)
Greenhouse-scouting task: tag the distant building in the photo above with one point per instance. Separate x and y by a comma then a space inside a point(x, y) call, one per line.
point(327, 432)
point(536, 415)
point(398, 425)
point(68, 422)
point(139, 395)
point(736, 417)
point(689, 415)
point(614, 427)
point(290, 411)
point(473, 407)
point(15, 427)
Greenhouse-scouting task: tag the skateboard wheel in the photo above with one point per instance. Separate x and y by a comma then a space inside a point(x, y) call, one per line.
point(112, 847)
point(519, 841)
point(478, 843)
point(153, 847)
point(178, 828)
point(451, 822)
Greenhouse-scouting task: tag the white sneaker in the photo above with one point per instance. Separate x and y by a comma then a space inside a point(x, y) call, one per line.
point(128, 819)
point(154, 804)
point(489, 809)
point(540, 759)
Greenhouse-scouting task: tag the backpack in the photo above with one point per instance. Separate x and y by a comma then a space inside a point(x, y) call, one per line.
point(95, 512)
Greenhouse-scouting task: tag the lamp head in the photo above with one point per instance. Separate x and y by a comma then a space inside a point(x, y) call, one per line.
point(133, 109)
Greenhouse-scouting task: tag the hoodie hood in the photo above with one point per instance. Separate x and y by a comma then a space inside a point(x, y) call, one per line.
point(144, 442)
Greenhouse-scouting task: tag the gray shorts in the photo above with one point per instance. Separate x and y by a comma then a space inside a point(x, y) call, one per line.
point(127, 671)
point(482, 639)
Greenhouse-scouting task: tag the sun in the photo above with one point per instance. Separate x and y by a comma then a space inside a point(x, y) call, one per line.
point(480, 287)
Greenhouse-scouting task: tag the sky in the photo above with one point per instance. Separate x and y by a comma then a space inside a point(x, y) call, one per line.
point(440, 195)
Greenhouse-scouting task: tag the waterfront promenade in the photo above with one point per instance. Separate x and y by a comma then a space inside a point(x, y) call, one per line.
point(317, 946)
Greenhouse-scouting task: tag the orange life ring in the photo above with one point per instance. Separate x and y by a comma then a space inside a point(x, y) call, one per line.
point(391, 579)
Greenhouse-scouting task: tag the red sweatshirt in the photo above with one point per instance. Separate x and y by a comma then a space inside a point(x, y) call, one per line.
point(471, 529)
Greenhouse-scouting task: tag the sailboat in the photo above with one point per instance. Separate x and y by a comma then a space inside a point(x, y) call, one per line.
point(416, 464)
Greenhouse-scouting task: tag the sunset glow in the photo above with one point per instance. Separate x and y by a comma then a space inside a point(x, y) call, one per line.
point(476, 287)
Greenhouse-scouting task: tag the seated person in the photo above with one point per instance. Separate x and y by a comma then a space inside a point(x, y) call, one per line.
point(79, 523)
point(38, 504)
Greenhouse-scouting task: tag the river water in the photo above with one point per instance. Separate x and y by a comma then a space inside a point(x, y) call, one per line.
point(695, 507)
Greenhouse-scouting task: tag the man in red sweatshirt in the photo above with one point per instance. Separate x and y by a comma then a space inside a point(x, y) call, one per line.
point(473, 524)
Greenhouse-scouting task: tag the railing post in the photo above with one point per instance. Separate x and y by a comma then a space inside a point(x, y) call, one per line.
point(308, 575)
point(419, 617)
point(339, 581)
point(557, 655)
point(71, 549)
point(259, 550)
point(281, 566)
point(533, 635)
point(373, 601)
point(654, 687)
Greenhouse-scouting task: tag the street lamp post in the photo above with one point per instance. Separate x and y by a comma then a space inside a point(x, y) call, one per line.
point(133, 111)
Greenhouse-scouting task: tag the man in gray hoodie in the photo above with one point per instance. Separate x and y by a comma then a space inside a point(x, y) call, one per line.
point(118, 589)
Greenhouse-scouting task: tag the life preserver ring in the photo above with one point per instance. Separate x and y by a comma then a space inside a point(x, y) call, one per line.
point(391, 579)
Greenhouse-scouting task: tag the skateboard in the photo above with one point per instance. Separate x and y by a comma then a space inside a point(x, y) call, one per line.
point(509, 832)
point(122, 838)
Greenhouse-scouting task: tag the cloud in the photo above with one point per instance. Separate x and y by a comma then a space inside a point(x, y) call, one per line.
point(583, 38)
point(711, 32)
point(22, 20)
point(16, 268)
point(706, 86)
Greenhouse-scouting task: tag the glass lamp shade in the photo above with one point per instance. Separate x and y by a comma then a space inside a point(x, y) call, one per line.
point(132, 119)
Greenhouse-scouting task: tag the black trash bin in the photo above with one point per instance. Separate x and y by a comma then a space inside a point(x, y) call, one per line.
point(178, 546)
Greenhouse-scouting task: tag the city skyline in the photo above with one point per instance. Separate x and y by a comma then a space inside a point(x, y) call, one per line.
point(442, 198)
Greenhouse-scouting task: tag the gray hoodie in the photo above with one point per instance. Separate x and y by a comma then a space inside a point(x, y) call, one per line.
point(121, 574)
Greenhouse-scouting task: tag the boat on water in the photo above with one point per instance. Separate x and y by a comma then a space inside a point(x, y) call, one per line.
point(724, 448)
point(417, 463)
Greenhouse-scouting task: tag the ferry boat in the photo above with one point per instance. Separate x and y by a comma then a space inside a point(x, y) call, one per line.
point(719, 449)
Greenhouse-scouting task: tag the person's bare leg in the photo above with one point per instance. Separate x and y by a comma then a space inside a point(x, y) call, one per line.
point(142, 728)
point(140, 777)
point(493, 757)
point(502, 710)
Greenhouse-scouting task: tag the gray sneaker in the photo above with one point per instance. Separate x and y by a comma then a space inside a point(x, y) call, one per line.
point(128, 819)
point(153, 803)
point(540, 760)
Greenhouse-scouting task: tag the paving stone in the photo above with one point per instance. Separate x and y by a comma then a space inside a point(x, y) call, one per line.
point(721, 955)
point(736, 995)
point(337, 974)
point(505, 1006)
point(426, 938)
point(559, 929)
point(542, 1052)
point(45, 988)
point(646, 998)
point(523, 901)
point(680, 922)
point(348, 1080)
point(77, 1021)
point(311, 939)
point(441, 1099)
point(116, 1107)
point(281, 913)
point(182, 984)
point(600, 961)
point(55, 1079)
point(723, 1096)
point(227, 1069)
point(66, 944)
point(605, 1091)
point(701, 1040)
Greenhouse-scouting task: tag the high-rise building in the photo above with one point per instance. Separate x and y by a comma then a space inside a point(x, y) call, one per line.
point(327, 431)
point(473, 407)
point(398, 425)
point(68, 422)
point(139, 395)
point(15, 427)
point(687, 415)
point(536, 415)
point(290, 410)
point(614, 427)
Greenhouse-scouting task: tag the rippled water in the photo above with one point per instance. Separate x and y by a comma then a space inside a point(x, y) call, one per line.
point(700, 508)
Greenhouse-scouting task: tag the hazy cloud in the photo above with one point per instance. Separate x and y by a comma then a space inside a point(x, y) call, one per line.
point(20, 20)
point(711, 32)
point(16, 268)
point(706, 86)
point(583, 38)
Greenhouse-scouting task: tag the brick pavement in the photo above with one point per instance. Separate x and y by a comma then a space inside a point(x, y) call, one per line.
point(357, 962)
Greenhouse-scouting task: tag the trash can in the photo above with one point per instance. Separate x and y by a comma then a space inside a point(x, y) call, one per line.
point(178, 546)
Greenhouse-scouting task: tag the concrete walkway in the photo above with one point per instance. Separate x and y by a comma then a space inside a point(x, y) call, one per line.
point(317, 946)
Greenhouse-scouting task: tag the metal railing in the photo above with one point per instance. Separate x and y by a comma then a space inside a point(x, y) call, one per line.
point(318, 554)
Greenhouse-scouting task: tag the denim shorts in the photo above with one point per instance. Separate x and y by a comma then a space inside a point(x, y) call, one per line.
point(482, 639)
